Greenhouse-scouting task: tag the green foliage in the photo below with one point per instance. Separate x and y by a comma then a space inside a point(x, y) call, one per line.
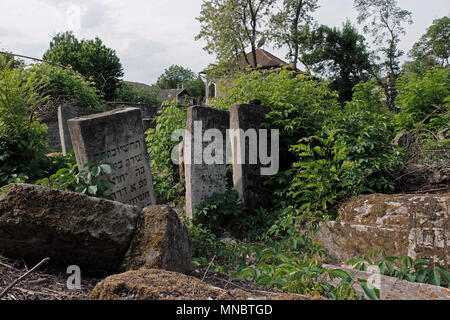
point(134, 93)
point(290, 24)
point(91, 58)
point(299, 104)
point(229, 27)
point(195, 88)
point(424, 102)
point(291, 263)
point(22, 144)
point(434, 44)
point(222, 211)
point(341, 55)
point(64, 86)
point(351, 154)
point(317, 182)
point(403, 268)
point(86, 181)
point(384, 20)
point(160, 145)
point(174, 77)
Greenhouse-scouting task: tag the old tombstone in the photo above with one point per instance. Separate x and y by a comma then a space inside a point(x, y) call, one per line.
point(66, 113)
point(246, 141)
point(205, 139)
point(149, 123)
point(119, 136)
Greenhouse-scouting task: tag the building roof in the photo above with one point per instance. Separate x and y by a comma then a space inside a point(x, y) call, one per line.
point(264, 59)
point(174, 93)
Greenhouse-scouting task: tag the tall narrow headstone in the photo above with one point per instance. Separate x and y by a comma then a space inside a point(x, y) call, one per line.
point(66, 113)
point(118, 135)
point(205, 177)
point(247, 178)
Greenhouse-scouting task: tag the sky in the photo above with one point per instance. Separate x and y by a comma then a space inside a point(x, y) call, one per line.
point(149, 36)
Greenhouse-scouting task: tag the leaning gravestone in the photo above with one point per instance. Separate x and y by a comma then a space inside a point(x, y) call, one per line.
point(203, 178)
point(118, 135)
point(66, 113)
point(247, 178)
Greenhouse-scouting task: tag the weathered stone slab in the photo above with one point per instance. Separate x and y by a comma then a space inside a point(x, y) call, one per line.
point(203, 179)
point(119, 136)
point(149, 123)
point(156, 284)
point(344, 241)
point(66, 113)
point(414, 225)
point(247, 178)
point(162, 241)
point(70, 228)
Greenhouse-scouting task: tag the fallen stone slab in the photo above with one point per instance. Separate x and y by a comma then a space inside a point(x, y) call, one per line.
point(70, 228)
point(395, 289)
point(156, 284)
point(413, 225)
point(162, 241)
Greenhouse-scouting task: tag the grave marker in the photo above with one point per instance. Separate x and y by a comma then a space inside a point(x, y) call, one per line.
point(119, 135)
point(66, 113)
point(247, 178)
point(202, 179)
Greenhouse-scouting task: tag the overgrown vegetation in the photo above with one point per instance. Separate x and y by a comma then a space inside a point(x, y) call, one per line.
point(22, 144)
point(88, 180)
point(160, 143)
point(403, 268)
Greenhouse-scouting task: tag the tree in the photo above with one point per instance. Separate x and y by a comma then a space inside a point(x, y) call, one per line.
point(384, 20)
point(290, 24)
point(432, 49)
point(195, 88)
point(138, 94)
point(340, 55)
point(175, 77)
point(231, 26)
point(90, 58)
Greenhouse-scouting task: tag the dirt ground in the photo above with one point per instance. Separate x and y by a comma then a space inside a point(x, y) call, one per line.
point(48, 284)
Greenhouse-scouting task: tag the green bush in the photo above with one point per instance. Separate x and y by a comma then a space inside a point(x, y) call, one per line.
point(134, 93)
point(166, 176)
point(22, 142)
point(64, 86)
point(86, 181)
point(424, 102)
point(403, 268)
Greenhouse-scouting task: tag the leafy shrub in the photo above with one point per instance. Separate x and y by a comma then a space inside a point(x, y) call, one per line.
point(424, 102)
point(403, 268)
point(290, 263)
point(86, 181)
point(22, 142)
point(134, 93)
point(299, 104)
point(222, 211)
point(62, 85)
point(91, 58)
point(160, 145)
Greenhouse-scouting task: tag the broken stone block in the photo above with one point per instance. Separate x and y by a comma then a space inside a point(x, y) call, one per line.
point(414, 225)
point(162, 241)
point(158, 284)
point(70, 228)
